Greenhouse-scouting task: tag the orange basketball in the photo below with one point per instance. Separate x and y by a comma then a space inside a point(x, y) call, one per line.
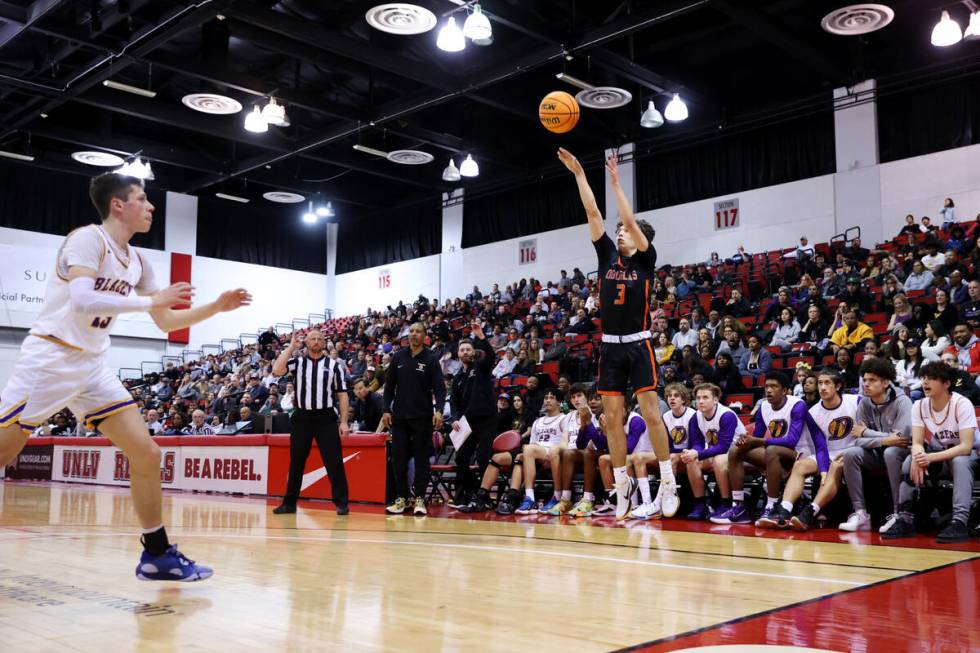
point(558, 112)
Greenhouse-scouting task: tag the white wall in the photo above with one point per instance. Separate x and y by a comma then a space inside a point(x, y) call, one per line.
point(918, 186)
point(357, 291)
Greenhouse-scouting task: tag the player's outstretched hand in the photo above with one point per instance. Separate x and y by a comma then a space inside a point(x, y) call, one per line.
point(613, 168)
point(229, 300)
point(175, 295)
point(570, 162)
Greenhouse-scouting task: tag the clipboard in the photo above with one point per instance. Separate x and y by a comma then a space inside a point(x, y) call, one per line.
point(459, 437)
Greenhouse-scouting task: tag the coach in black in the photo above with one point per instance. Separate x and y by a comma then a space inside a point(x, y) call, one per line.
point(472, 397)
point(414, 378)
point(320, 391)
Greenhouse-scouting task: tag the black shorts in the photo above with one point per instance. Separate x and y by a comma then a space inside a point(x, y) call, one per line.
point(630, 364)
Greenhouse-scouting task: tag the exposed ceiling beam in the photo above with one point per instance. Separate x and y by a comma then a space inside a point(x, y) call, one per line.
point(33, 13)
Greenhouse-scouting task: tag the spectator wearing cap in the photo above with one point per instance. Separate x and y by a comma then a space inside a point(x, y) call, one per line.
point(852, 334)
point(258, 391)
point(855, 296)
point(932, 259)
point(802, 252)
point(919, 279)
point(371, 379)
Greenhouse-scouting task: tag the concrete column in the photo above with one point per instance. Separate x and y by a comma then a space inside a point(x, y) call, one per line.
point(857, 183)
point(452, 278)
point(181, 221)
point(331, 289)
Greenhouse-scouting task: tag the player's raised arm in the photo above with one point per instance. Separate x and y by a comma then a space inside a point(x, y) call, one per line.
point(170, 319)
point(626, 214)
point(596, 226)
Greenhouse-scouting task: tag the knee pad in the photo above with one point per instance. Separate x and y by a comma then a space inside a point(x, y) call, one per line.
point(495, 464)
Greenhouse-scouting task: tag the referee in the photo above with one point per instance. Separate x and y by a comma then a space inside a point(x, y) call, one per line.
point(413, 379)
point(318, 378)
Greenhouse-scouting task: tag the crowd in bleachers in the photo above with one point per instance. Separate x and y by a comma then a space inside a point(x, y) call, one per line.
point(729, 323)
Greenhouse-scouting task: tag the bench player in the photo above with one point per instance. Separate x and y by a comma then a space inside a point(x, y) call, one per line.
point(62, 361)
point(678, 421)
point(712, 431)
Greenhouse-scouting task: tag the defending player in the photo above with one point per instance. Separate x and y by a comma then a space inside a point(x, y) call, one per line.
point(626, 272)
point(62, 361)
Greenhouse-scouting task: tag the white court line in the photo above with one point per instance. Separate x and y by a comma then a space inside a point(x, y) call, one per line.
point(495, 549)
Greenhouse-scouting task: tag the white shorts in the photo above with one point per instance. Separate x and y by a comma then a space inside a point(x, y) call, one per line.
point(49, 376)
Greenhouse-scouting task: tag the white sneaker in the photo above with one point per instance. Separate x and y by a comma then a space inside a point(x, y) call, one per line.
point(670, 503)
point(604, 508)
point(645, 511)
point(858, 521)
point(624, 494)
point(888, 523)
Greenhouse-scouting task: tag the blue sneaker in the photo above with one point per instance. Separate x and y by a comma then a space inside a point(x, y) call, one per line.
point(172, 565)
point(774, 516)
point(716, 513)
point(700, 512)
point(528, 507)
point(737, 514)
point(548, 506)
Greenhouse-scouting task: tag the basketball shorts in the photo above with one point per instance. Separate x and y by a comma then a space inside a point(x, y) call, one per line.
point(49, 376)
point(626, 365)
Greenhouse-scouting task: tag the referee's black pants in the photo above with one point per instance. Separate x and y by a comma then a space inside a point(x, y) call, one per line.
point(480, 442)
point(319, 425)
point(411, 437)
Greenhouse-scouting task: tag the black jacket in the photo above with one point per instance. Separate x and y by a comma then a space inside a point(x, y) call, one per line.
point(410, 384)
point(472, 392)
point(368, 412)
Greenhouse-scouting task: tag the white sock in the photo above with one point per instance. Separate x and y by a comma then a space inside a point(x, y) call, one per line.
point(771, 501)
point(589, 496)
point(787, 505)
point(556, 496)
point(666, 471)
point(566, 495)
point(738, 496)
point(620, 476)
point(816, 508)
point(645, 489)
point(529, 494)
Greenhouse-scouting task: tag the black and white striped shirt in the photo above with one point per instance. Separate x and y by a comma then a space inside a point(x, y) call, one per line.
point(317, 381)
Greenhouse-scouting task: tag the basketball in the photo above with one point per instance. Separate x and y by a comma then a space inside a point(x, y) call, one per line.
point(558, 112)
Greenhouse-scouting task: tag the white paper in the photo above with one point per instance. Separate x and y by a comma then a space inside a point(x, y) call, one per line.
point(459, 437)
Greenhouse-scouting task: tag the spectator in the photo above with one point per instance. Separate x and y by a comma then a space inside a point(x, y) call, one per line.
point(685, 336)
point(919, 279)
point(757, 361)
point(198, 425)
point(933, 259)
point(188, 390)
point(664, 349)
point(177, 425)
point(256, 390)
point(706, 341)
point(505, 366)
point(958, 242)
point(927, 225)
point(907, 370)
point(802, 252)
point(783, 300)
point(288, 399)
point(811, 392)
point(153, 422)
point(733, 346)
point(523, 366)
point(902, 311)
point(713, 325)
point(966, 348)
point(970, 310)
point(855, 296)
point(963, 382)
point(958, 290)
point(582, 325)
point(814, 331)
point(367, 409)
point(726, 375)
point(852, 335)
point(948, 213)
point(844, 362)
point(737, 305)
point(564, 283)
point(788, 331)
point(944, 311)
point(271, 404)
point(713, 261)
point(935, 342)
point(910, 227)
point(245, 420)
point(359, 365)
point(558, 349)
point(951, 263)
point(499, 339)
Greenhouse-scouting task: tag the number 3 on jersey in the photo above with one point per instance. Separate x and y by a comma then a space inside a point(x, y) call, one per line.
point(620, 294)
point(101, 322)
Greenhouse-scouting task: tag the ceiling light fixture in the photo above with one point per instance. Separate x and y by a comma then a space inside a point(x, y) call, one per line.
point(310, 217)
point(946, 32)
point(255, 122)
point(403, 157)
point(451, 38)
point(651, 118)
point(283, 197)
point(597, 97)
point(676, 110)
point(469, 168)
point(325, 211)
point(212, 103)
point(275, 114)
point(401, 18)
point(15, 156)
point(973, 29)
point(477, 26)
point(451, 172)
point(101, 159)
point(136, 168)
point(233, 198)
point(126, 88)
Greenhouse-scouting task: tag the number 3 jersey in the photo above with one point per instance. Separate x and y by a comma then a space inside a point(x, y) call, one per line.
point(624, 287)
point(117, 271)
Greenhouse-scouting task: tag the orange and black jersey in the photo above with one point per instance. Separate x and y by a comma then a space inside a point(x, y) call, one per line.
point(624, 287)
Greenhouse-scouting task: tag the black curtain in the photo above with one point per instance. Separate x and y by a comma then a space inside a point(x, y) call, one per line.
point(775, 154)
point(528, 209)
point(929, 119)
point(35, 199)
point(262, 234)
point(401, 235)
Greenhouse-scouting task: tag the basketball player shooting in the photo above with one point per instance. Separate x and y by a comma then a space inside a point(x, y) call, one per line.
point(626, 270)
point(62, 361)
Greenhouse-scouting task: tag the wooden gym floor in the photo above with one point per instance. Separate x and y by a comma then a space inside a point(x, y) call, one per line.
point(447, 582)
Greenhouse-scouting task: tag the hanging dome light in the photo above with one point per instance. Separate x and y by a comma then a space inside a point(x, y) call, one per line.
point(468, 167)
point(973, 29)
point(676, 110)
point(651, 118)
point(255, 123)
point(310, 217)
point(451, 172)
point(451, 37)
point(325, 211)
point(477, 26)
point(946, 32)
point(275, 114)
point(136, 168)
